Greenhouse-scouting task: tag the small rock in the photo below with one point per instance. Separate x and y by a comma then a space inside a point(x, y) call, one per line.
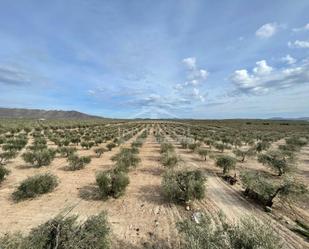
point(137, 229)
point(188, 208)
point(268, 209)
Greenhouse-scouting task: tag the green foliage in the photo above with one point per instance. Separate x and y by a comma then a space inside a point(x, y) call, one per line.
point(265, 189)
point(182, 186)
point(6, 156)
point(249, 233)
point(14, 144)
point(203, 153)
point(77, 163)
point(165, 147)
point(3, 173)
point(35, 185)
point(112, 183)
point(194, 146)
point(66, 151)
point(169, 159)
point(87, 145)
point(220, 146)
point(262, 145)
point(110, 146)
point(63, 233)
point(125, 159)
point(226, 163)
point(277, 160)
point(242, 154)
point(39, 158)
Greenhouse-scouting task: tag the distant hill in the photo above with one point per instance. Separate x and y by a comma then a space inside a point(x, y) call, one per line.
point(296, 119)
point(43, 114)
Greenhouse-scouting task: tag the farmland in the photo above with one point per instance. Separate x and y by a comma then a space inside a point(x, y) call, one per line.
point(157, 180)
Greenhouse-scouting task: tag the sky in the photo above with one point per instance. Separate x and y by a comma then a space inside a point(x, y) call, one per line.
point(157, 59)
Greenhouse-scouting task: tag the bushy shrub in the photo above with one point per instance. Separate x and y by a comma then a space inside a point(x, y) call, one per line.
point(99, 152)
point(39, 158)
point(126, 159)
point(35, 185)
point(277, 160)
point(66, 151)
point(6, 156)
point(242, 154)
point(87, 145)
point(3, 173)
point(203, 153)
point(183, 186)
point(248, 233)
point(264, 189)
point(110, 146)
point(112, 183)
point(165, 147)
point(77, 163)
point(226, 163)
point(194, 146)
point(63, 233)
point(169, 159)
point(262, 145)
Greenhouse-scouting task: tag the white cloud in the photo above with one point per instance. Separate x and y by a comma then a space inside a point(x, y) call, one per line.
point(267, 30)
point(259, 82)
point(195, 76)
point(298, 44)
point(91, 92)
point(304, 28)
point(190, 62)
point(262, 68)
point(197, 94)
point(288, 59)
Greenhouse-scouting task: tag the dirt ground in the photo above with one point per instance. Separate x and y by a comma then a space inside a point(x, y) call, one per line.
point(140, 217)
point(222, 196)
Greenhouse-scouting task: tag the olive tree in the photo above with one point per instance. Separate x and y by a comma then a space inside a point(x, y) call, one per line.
point(183, 186)
point(77, 163)
point(40, 157)
point(112, 183)
point(242, 154)
point(265, 189)
point(6, 156)
point(34, 186)
point(66, 151)
point(126, 159)
point(203, 153)
point(247, 233)
point(226, 163)
point(63, 232)
point(169, 159)
point(99, 152)
point(278, 161)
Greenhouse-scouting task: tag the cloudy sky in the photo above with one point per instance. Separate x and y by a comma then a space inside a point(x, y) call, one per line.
point(181, 58)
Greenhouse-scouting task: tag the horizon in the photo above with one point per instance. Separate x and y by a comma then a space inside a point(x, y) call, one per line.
point(164, 59)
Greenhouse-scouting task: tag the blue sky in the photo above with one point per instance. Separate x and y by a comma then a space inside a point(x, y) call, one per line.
point(182, 58)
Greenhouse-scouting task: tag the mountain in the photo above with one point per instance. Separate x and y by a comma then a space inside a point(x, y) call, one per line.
point(43, 114)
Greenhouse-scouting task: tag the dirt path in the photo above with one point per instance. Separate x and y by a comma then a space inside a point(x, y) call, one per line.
point(221, 196)
point(141, 217)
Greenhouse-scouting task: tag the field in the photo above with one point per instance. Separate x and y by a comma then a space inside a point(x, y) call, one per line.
point(244, 169)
